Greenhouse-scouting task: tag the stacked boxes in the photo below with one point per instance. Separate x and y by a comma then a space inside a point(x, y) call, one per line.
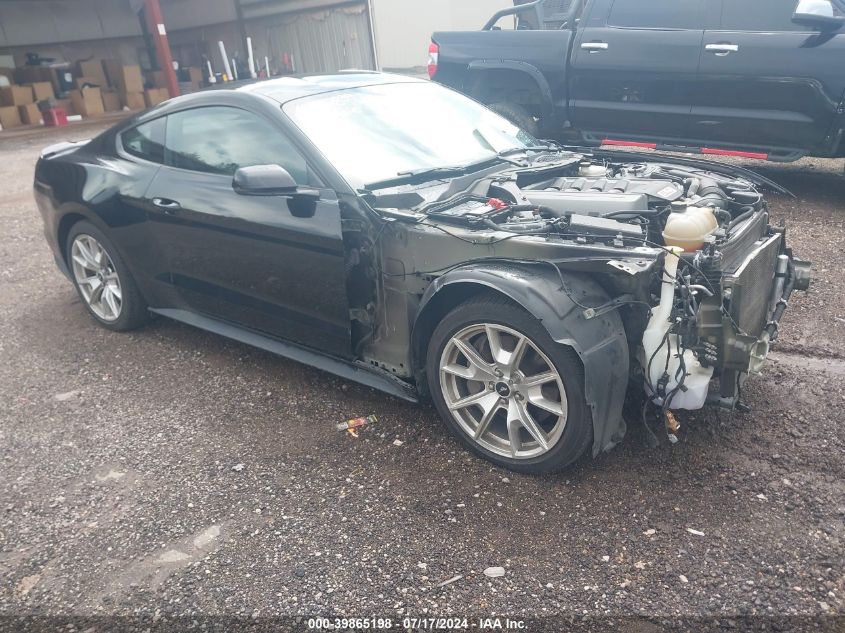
point(15, 102)
point(88, 102)
point(154, 96)
point(128, 81)
point(93, 70)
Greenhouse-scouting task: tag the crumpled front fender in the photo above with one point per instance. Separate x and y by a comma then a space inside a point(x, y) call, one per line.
point(600, 342)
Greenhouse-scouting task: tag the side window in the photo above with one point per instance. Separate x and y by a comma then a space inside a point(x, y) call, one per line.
point(769, 16)
point(657, 14)
point(145, 141)
point(220, 140)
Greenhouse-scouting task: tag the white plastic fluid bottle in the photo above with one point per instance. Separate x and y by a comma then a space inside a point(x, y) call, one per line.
point(661, 350)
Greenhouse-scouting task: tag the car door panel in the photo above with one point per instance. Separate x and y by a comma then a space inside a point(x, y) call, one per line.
point(266, 262)
point(635, 81)
point(249, 260)
point(120, 201)
point(774, 89)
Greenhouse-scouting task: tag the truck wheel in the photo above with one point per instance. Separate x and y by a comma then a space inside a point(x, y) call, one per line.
point(506, 390)
point(517, 115)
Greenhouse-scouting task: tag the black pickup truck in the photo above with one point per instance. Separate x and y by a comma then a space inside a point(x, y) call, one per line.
point(755, 78)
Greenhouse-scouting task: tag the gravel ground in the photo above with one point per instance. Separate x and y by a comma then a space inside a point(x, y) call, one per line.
point(171, 473)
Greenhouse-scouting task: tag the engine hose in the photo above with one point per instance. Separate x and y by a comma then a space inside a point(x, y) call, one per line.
point(772, 327)
point(693, 185)
point(747, 212)
point(632, 214)
point(515, 228)
point(680, 173)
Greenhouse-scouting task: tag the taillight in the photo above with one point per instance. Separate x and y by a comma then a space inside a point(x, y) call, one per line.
point(433, 58)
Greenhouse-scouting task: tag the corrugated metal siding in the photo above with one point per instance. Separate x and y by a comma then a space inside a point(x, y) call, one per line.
point(24, 22)
point(326, 40)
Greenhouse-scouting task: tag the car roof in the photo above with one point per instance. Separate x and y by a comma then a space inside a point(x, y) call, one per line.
point(285, 89)
point(280, 90)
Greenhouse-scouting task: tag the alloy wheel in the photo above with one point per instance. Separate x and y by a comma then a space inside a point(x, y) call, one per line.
point(503, 391)
point(96, 277)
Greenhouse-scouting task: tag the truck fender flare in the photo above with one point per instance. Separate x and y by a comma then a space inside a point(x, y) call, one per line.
point(522, 67)
point(600, 342)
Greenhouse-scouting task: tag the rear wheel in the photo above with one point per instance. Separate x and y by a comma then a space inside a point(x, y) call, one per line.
point(517, 115)
point(102, 280)
point(506, 389)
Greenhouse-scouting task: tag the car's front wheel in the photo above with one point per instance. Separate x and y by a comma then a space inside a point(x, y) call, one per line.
point(102, 279)
point(506, 389)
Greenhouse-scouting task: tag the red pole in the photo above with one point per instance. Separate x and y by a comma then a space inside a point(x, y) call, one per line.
point(155, 21)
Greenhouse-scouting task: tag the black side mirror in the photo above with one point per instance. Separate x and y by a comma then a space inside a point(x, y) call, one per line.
point(271, 180)
point(818, 14)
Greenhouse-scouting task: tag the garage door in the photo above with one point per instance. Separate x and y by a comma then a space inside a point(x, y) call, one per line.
point(325, 40)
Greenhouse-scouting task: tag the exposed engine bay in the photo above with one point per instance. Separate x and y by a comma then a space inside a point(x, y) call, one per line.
point(686, 255)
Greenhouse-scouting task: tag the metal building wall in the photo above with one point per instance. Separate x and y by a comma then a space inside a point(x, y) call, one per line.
point(324, 40)
point(27, 23)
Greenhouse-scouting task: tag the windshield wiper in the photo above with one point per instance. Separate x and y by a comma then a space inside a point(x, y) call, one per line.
point(420, 175)
point(519, 150)
point(431, 173)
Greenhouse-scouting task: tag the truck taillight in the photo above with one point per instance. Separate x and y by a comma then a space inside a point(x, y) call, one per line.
point(433, 58)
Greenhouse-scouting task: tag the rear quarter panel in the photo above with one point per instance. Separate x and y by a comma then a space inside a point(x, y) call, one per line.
point(108, 191)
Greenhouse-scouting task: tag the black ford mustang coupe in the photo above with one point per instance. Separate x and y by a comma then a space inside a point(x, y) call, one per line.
point(399, 234)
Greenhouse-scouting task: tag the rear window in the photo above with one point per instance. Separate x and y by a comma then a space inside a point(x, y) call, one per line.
point(657, 14)
point(145, 141)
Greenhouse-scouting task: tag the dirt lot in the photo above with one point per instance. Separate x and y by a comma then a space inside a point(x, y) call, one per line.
point(169, 472)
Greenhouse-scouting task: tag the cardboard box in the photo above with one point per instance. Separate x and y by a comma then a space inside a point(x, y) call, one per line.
point(16, 96)
point(197, 77)
point(88, 102)
point(30, 114)
point(43, 91)
point(133, 100)
point(88, 81)
point(93, 68)
point(124, 78)
point(154, 96)
point(33, 74)
point(10, 117)
point(111, 101)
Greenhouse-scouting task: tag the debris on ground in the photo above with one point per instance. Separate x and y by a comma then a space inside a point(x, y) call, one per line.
point(68, 395)
point(398, 442)
point(494, 572)
point(238, 467)
point(351, 426)
point(450, 580)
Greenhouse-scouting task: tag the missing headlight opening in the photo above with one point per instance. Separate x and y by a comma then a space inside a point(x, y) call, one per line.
point(700, 274)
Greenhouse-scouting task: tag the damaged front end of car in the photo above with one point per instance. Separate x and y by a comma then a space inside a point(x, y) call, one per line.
point(663, 276)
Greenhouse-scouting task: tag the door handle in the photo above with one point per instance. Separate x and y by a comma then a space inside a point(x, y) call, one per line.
point(721, 50)
point(594, 47)
point(168, 205)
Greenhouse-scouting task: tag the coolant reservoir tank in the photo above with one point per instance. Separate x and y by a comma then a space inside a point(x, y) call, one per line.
point(590, 170)
point(687, 227)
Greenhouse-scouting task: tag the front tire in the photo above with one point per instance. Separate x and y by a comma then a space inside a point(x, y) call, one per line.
point(506, 390)
point(103, 281)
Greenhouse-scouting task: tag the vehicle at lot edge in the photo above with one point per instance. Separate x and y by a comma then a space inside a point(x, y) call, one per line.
point(525, 287)
point(754, 78)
